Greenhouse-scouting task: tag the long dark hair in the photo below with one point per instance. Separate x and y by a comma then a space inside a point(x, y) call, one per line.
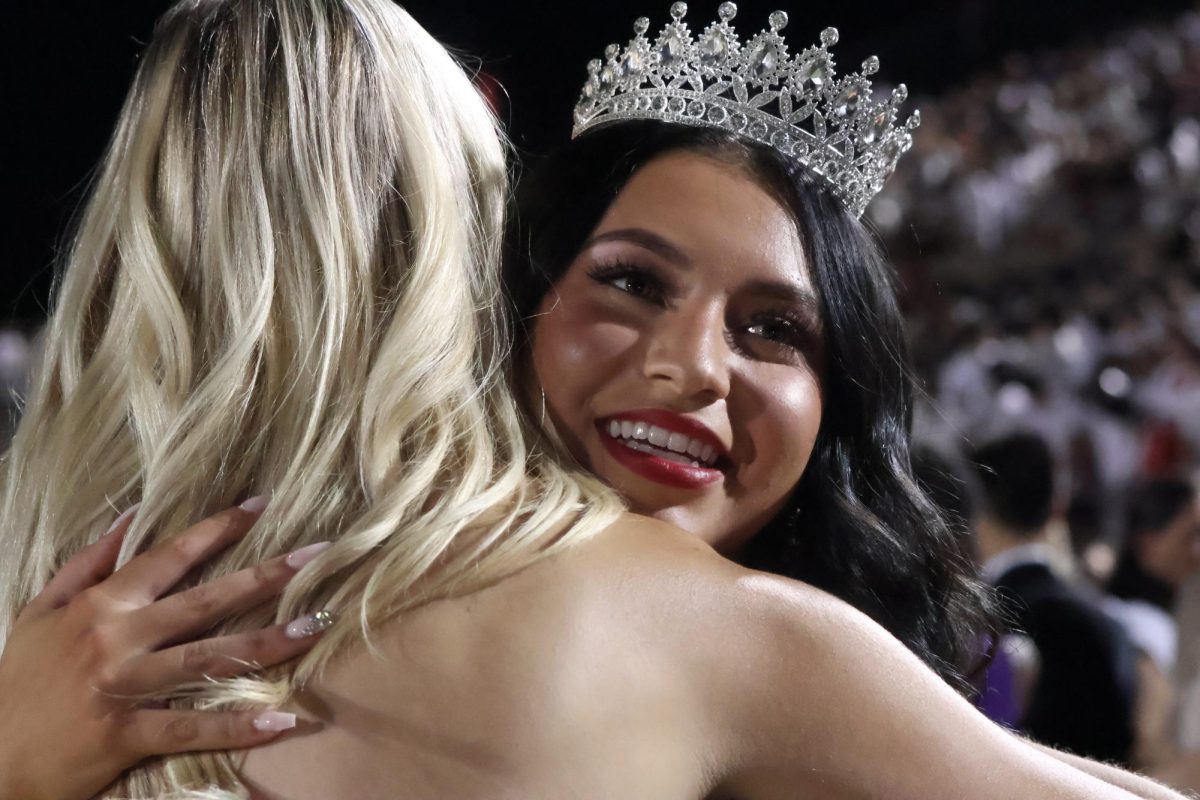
point(857, 525)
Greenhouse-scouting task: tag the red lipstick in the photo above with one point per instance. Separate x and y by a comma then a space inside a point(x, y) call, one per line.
point(658, 468)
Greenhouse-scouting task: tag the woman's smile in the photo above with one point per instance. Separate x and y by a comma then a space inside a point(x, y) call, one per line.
point(680, 353)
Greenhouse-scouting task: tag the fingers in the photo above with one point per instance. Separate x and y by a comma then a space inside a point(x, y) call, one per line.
point(166, 731)
point(152, 573)
point(221, 657)
point(187, 613)
point(85, 569)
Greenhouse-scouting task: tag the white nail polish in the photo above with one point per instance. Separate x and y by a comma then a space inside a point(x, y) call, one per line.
point(274, 721)
point(309, 625)
point(298, 558)
point(255, 504)
point(126, 514)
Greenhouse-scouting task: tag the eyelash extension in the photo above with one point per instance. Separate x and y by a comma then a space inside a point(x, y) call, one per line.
point(607, 273)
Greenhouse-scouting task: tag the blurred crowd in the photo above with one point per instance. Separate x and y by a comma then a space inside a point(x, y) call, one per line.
point(1046, 228)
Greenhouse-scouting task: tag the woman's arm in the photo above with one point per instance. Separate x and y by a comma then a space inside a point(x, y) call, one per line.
point(832, 705)
point(93, 637)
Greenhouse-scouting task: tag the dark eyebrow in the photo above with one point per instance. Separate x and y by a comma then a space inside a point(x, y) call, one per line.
point(647, 239)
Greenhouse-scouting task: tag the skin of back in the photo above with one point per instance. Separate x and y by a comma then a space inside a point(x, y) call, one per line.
point(644, 665)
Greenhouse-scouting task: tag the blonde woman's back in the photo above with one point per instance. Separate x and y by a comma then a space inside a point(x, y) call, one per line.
point(642, 665)
point(567, 680)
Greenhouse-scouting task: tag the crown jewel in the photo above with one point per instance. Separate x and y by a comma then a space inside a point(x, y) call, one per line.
point(755, 89)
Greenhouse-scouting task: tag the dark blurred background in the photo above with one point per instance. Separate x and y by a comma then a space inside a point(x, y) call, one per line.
point(66, 66)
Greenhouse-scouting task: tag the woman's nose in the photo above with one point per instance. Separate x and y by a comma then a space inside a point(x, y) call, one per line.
point(688, 354)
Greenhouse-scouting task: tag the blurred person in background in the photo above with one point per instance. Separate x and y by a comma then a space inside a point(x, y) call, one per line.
point(1160, 554)
point(1082, 685)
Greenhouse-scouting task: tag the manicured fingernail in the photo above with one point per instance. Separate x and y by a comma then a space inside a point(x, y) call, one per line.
point(308, 626)
point(274, 721)
point(255, 504)
point(298, 558)
point(126, 514)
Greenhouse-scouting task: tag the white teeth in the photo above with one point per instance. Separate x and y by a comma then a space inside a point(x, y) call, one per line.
point(658, 436)
point(641, 447)
point(671, 445)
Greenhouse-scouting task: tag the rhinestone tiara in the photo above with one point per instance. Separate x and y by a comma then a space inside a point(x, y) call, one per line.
point(796, 105)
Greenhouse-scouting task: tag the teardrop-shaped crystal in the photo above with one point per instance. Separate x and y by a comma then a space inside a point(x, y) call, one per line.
point(678, 10)
point(914, 120)
point(829, 37)
point(671, 49)
point(631, 64)
point(727, 11)
point(594, 66)
point(713, 49)
point(871, 65)
point(589, 90)
point(641, 25)
point(900, 93)
point(778, 20)
point(606, 77)
point(611, 51)
point(847, 101)
point(815, 72)
point(876, 128)
point(763, 59)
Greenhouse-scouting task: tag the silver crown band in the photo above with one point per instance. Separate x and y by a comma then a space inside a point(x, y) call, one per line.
point(798, 106)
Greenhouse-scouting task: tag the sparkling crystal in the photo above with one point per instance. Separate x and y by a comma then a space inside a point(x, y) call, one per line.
point(727, 11)
point(594, 66)
point(900, 93)
point(696, 109)
point(763, 59)
point(713, 49)
point(829, 37)
point(847, 102)
point(589, 90)
point(671, 51)
point(717, 114)
point(607, 77)
point(678, 10)
point(643, 103)
point(781, 141)
point(871, 65)
point(758, 129)
point(611, 51)
point(815, 72)
point(876, 128)
point(914, 120)
point(641, 25)
point(737, 121)
point(631, 64)
point(778, 20)
point(676, 105)
point(658, 103)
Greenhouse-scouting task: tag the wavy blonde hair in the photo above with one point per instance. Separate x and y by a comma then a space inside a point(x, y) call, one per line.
point(286, 280)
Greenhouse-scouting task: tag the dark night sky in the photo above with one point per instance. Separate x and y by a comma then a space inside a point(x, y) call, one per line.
point(66, 65)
